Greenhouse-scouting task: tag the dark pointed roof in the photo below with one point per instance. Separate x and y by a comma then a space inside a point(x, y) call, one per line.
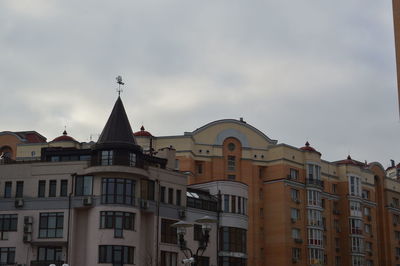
point(117, 129)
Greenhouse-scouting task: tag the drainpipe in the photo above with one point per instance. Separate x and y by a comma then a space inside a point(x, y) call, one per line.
point(219, 208)
point(69, 214)
point(158, 221)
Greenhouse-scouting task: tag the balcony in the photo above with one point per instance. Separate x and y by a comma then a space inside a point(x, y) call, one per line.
point(315, 182)
point(46, 263)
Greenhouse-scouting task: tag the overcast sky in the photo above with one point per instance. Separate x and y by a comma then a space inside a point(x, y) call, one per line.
point(322, 71)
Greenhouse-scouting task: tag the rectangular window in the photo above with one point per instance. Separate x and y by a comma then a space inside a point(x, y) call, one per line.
point(197, 232)
point(178, 197)
point(49, 254)
point(226, 203)
point(52, 188)
point(396, 202)
point(199, 168)
point(231, 177)
point(117, 255)
point(367, 211)
point(334, 188)
point(398, 252)
point(51, 225)
point(132, 159)
point(296, 233)
point(42, 188)
point(365, 194)
point(64, 188)
point(7, 256)
point(118, 221)
point(233, 204)
point(397, 235)
point(147, 188)
point(231, 163)
point(368, 246)
point(294, 214)
point(168, 233)
point(8, 222)
point(106, 157)
point(296, 254)
point(83, 185)
point(169, 258)
point(162, 194)
point(295, 195)
point(19, 192)
point(367, 228)
point(203, 261)
point(171, 196)
point(355, 186)
point(7, 189)
point(233, 239)
point(356, 226)
point(338, 261)
point(294, 174)
point(239, 205)
point(118, 191)
point(262, 212)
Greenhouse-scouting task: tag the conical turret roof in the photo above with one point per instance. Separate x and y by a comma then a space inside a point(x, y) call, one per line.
point(117, 129)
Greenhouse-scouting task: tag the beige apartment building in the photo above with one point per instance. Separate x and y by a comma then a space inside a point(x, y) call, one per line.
point(302, 210)
point(110, 203)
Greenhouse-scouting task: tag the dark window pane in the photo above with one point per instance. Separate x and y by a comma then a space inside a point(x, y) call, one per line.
point(52, 188)
point(64, 188)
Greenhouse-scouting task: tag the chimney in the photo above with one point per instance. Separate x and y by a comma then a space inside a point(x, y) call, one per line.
point(392, 161)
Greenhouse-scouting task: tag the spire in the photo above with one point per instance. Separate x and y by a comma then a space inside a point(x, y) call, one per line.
point(117, 129)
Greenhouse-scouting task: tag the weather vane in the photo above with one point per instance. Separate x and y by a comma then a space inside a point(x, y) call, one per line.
point(119, 81)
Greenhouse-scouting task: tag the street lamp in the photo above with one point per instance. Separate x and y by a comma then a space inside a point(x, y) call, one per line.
point(181, 226)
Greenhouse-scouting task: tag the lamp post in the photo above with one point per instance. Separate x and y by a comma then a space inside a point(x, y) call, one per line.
point(181, 226)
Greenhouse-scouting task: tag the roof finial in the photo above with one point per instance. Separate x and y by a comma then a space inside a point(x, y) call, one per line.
point(65, 131)
point(119, 81)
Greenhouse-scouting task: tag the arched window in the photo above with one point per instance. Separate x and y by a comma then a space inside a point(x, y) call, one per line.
point(6, 152)
point(232, 150)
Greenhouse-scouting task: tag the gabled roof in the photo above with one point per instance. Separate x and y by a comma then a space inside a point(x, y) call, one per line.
point(117, 129)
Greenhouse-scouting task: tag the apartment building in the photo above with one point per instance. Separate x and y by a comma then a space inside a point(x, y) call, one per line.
point(278, 204)
point(302, 209)
point(109, 203)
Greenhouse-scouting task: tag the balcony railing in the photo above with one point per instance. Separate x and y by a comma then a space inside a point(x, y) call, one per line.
point(315, 182)
point(46, 263)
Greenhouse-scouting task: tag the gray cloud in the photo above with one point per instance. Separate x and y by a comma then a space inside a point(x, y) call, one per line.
point(297, 70)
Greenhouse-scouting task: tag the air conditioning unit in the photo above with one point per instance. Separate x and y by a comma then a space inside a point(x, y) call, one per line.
point(295, 260)
point(144, 204)
point(182, 213)
point(87, 201)
point(298, 201)
point(293, 220)
point(19, 203)
point(27, 238)
point(28, 228)
point(395, 223)
point(337, 249)
point(298, 240)
point(369, 217)
point(28, 220)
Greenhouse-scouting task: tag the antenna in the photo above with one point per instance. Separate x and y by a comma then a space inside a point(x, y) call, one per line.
point(119, 81)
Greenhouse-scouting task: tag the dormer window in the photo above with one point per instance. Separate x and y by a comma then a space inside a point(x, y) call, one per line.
point(106, 157)
point(132, 159)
